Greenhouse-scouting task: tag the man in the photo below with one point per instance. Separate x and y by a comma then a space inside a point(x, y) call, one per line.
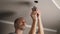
point(20, 23)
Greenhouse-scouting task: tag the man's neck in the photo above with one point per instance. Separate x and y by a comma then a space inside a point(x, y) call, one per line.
point(18, 31)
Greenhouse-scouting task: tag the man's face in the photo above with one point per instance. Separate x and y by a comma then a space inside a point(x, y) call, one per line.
point(21, 24)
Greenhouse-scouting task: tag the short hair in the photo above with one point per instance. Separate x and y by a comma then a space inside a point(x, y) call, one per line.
point(16, 23)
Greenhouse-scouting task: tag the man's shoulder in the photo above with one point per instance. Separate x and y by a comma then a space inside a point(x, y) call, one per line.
point(12, 33)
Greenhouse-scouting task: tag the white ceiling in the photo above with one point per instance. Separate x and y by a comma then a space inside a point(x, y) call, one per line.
point(50, 13)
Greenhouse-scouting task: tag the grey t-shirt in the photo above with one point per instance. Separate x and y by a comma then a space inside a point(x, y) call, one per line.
point(12, 33)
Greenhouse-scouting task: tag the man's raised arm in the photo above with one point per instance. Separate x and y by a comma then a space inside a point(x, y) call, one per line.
point(40, 26)
point(34, 24)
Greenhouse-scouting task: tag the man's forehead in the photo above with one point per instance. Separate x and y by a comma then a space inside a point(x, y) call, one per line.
point(21, 19)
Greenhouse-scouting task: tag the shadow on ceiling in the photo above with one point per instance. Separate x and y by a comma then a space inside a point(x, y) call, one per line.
point(5, 13)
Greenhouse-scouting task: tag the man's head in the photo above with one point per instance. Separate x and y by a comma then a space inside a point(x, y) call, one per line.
point(20, 23)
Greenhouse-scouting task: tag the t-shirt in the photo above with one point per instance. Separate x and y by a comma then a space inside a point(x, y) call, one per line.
point(12, 33)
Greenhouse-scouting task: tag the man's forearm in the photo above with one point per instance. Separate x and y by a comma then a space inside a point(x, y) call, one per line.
point(33, 28)
point(40, 26)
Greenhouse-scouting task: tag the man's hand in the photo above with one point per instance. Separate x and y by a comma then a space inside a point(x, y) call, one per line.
point(34, 13)
point(38, 14)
